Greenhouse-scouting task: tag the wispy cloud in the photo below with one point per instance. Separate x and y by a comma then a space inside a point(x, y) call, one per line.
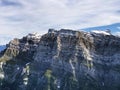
point(18, 17)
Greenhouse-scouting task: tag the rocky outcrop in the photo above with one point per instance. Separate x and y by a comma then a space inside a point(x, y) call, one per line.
point(62, 60)
point(18, 54)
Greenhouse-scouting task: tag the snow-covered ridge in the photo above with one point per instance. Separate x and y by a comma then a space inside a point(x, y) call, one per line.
point(101, 32)
point(75, 33)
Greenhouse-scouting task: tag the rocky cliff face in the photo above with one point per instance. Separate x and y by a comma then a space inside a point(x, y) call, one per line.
point(62, 60)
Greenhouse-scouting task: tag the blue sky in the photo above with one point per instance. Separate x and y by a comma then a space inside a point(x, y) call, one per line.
point(114, 28)
point(20, 17)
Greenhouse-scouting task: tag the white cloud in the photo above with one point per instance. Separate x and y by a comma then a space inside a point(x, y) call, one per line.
point(40, 15)
point(117, 33)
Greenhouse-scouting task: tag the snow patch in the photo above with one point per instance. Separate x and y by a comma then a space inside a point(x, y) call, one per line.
point(101, 32)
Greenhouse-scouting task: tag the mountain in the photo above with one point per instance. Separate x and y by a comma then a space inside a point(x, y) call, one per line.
point(2, 47)
point(62, 60)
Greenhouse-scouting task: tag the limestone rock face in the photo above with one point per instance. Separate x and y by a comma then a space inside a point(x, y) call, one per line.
point(62, 60)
